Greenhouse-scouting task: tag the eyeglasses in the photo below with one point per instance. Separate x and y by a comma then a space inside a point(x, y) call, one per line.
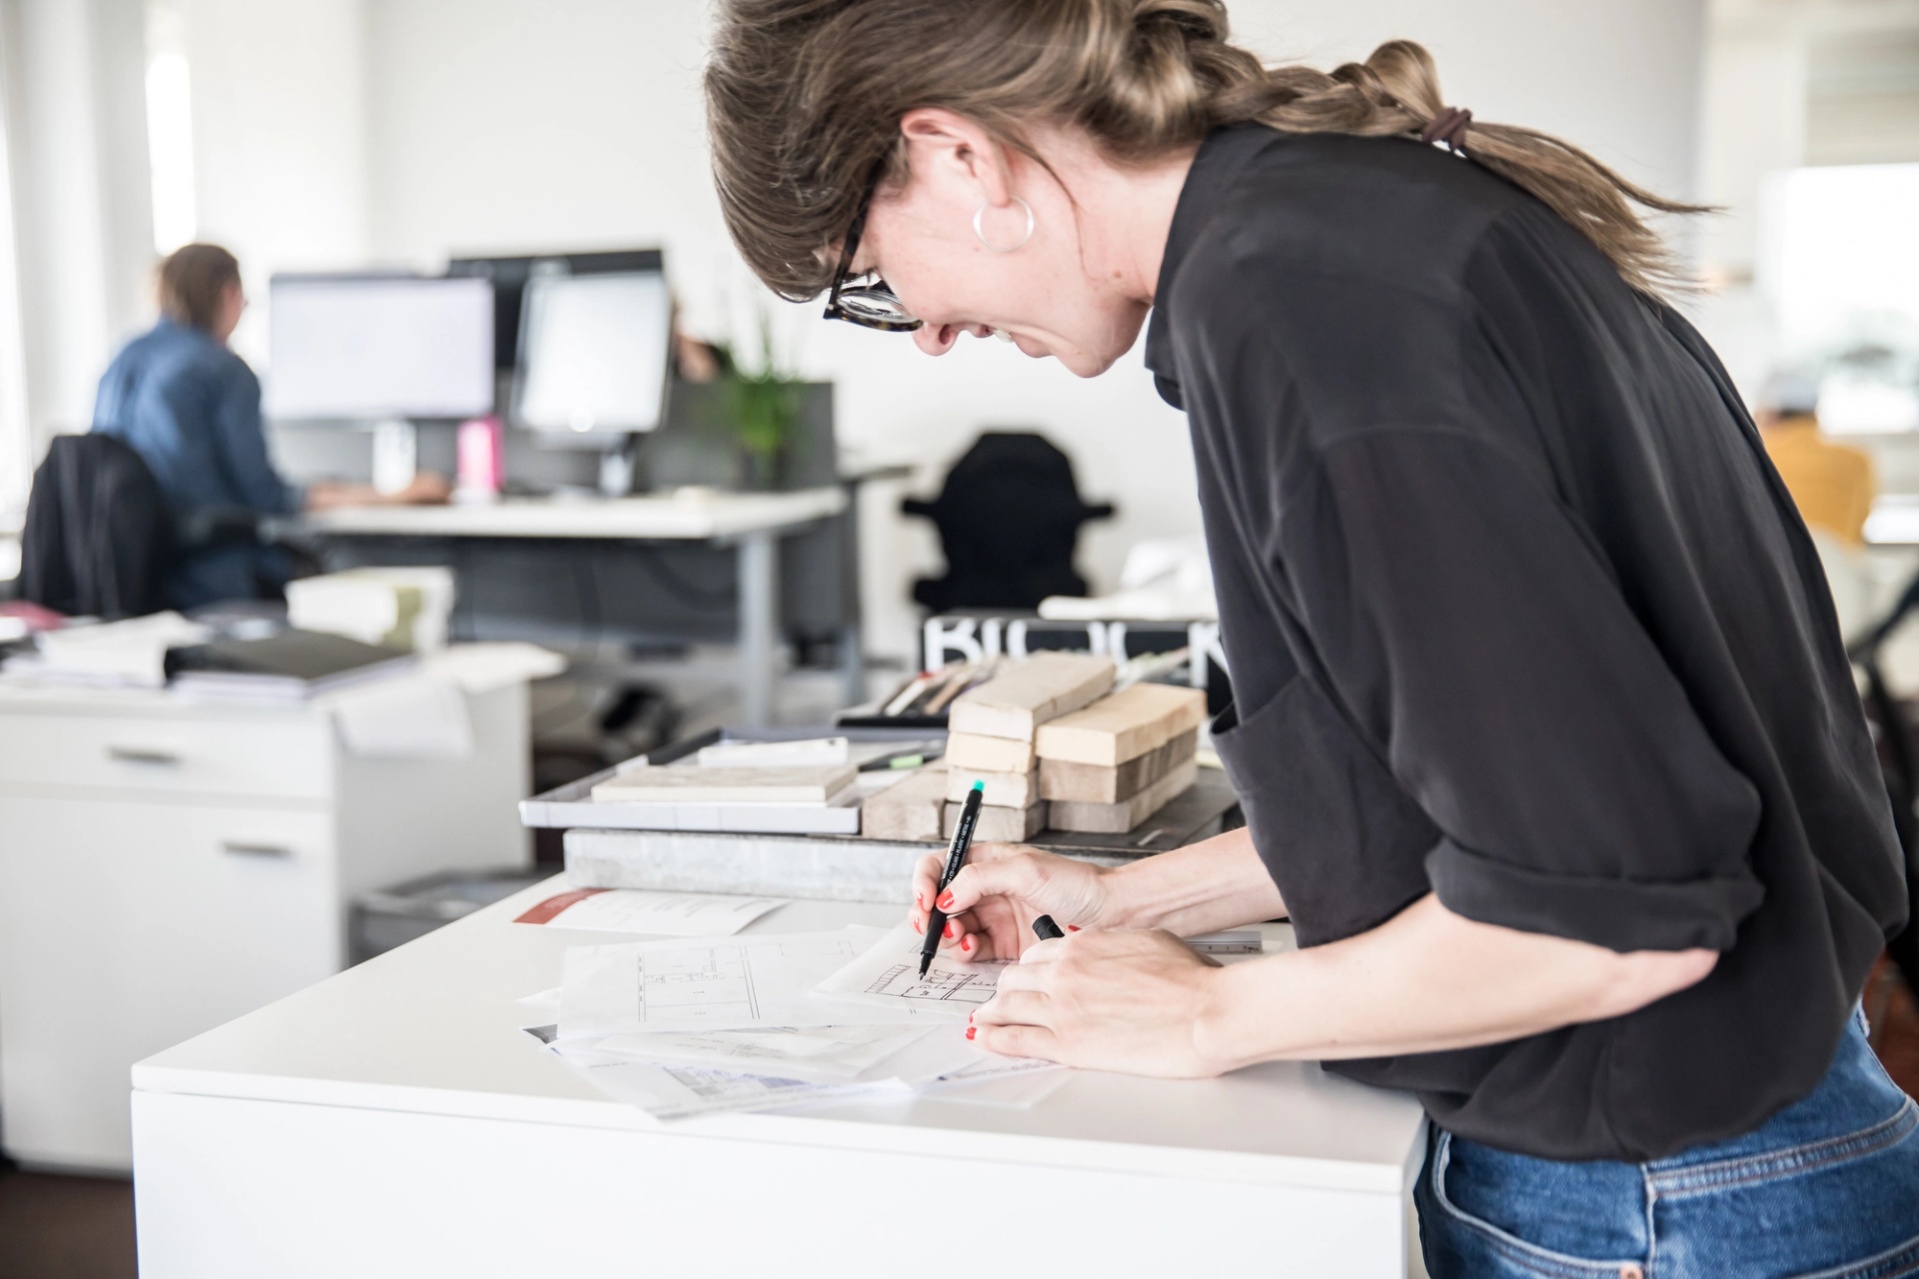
point(872, 306)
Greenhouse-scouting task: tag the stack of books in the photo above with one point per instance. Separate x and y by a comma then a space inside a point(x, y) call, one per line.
point(789, 787)
point(287, 666)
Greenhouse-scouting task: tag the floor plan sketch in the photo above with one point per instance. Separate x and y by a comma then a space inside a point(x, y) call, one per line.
point(699, 985)
point(737, 983)
point(820, 1054)
point(887, 976)
point(675, 1091)
point(903, 981)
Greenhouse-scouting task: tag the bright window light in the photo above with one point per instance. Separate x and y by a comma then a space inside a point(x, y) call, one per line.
point(169, 130)
point(16, 444)
point(1841, 264)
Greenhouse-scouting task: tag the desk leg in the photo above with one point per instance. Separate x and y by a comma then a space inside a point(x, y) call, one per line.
point(759, 625)
point(852, 665)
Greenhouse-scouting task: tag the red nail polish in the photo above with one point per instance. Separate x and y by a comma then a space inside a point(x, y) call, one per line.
point(971, 1031)
point(966, 943)
point(949, 928)
point(945, 902)
point(1072, 928)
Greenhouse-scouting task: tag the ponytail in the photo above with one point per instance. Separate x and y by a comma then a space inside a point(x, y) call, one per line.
point(1395, 92)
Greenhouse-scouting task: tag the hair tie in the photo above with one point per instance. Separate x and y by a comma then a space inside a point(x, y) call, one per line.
point(1449, 127)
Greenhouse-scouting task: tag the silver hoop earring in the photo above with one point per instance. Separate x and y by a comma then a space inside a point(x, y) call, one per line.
point(979, 230)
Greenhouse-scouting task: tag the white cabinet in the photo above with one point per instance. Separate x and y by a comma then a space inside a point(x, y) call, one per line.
point(167, 867)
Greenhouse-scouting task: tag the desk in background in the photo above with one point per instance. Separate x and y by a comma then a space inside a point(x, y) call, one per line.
point(1894, 521)
point(401, 1101)
point(749, 525)
point(168, 865)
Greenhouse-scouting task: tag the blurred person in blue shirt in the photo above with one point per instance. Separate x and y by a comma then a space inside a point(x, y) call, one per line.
point(190, 408)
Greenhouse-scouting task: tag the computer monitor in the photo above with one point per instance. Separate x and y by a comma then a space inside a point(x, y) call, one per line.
point(510, 274)
point(374, 347)
point(593, 356)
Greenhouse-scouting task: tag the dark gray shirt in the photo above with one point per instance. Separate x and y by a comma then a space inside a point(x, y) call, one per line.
point(1518, 613)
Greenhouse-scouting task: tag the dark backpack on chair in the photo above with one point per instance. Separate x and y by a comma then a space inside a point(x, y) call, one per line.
point(99, 534)
point(1008, 517)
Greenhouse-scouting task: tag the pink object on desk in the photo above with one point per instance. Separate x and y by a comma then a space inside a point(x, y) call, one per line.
point(480, 458)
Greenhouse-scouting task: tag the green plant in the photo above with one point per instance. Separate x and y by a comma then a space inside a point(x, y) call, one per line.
point(763, 403)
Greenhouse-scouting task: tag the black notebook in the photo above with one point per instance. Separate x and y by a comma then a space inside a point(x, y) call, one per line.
point(292, 665)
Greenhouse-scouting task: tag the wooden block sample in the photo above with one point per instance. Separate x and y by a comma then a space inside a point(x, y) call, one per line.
point(1097, 784)
point(999, 825)
point(654, 784)
point(1003, 790)
point(988, 754)
point(1123, 726)
point(1040, 688)
point(910, 809)
point(1127, 814)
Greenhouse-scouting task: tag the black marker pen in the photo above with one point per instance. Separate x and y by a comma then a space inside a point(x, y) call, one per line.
point(955, 858)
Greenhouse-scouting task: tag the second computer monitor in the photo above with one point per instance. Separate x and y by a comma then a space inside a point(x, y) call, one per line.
point(368, 347)
point(594, 353)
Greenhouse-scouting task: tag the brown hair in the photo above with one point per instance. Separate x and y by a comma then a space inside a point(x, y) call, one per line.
point(192, 280)
point(804, 99)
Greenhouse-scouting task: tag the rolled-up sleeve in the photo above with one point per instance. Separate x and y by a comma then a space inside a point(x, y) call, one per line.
point(1487, 650)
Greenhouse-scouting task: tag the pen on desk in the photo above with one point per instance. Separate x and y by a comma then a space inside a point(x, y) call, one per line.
point(911, 758)
point(955, 858)
point(1045, 929)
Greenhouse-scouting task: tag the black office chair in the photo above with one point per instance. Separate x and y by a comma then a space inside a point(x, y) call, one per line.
point(100, 537)
point(1008, 517)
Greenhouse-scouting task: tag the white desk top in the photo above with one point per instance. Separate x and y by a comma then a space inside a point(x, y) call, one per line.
point(1894, 521)
point(432, 1028)
point(696, 515)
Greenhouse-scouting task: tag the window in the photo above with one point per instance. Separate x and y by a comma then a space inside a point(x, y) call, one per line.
point(169, 129)
point(1841, 266)
point(16, 443)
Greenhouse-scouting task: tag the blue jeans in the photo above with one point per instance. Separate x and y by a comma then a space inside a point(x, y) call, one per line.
point(1826, 1189)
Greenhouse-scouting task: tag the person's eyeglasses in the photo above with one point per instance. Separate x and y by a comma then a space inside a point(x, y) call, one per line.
point(872, 306)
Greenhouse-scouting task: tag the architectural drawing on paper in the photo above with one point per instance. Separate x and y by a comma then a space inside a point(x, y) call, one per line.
point(720, 1085)
point(696, 983)
point(942, 984)
point(717, 983)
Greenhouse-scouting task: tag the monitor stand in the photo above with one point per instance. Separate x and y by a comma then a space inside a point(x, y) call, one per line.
point(396, 454)
point(616, 470)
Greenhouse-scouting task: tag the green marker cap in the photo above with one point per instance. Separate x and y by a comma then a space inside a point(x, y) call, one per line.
point(980, 785)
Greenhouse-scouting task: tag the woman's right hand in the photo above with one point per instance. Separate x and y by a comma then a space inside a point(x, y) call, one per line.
point(991, 904)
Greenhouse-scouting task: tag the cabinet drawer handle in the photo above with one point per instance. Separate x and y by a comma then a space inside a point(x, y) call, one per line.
point(143, 755)
point(238, 849)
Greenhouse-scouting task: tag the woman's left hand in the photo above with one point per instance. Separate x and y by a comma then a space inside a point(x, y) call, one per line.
point(1129, 1001)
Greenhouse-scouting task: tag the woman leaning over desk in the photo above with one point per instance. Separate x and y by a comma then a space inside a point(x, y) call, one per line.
point(1544, 733)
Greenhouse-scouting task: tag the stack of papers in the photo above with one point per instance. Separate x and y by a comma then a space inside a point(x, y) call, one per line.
point(811, 752)
point(632, 910)
point(288, 666)
point(404, 607)
point(129, 654)
point(724, 794)
point(685, 1027)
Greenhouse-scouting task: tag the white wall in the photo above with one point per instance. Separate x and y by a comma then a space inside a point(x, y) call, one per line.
point(76, 134)
point(510, 124)
point(279, 138)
